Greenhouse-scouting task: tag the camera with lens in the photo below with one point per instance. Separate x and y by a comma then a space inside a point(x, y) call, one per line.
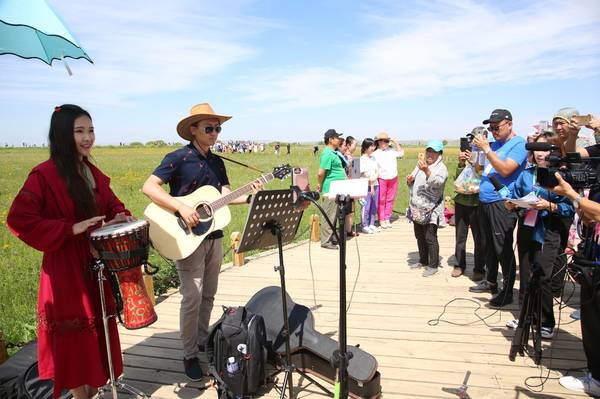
point(578, 171)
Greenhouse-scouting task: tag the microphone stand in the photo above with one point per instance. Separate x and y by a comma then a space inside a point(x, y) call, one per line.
point(342, 356)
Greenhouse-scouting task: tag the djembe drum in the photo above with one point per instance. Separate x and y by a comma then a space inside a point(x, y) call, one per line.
point(123, 248)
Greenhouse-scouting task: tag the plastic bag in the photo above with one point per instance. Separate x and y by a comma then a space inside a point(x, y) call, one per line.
point(468, 181)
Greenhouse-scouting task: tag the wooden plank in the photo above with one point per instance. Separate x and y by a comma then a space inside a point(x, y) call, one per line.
point(389, 317)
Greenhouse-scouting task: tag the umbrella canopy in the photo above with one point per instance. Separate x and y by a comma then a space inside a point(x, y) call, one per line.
point(31, 29)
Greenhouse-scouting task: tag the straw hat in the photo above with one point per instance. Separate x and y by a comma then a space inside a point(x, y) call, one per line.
point(382, 136)
point(198, 113)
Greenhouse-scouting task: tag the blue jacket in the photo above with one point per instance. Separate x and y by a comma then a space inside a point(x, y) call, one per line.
point(524, 185)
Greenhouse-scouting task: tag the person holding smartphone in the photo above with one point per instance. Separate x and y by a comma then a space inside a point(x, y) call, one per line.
point(467, 216)
point(567, 123)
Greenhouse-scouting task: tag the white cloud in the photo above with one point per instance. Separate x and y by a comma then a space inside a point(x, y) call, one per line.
point(445, 45)
point(139, 48)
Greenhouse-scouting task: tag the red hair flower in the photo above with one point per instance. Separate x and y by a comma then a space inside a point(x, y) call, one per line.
point(56, 109)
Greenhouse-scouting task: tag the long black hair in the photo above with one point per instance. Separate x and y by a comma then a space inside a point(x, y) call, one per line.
point(63, 152)
point(366, 144)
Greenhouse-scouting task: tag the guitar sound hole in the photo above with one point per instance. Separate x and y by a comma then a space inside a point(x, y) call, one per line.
point(205, 211)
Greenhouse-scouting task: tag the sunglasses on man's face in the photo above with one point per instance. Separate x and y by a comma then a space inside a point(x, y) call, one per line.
point(496, 128)
point(384, 141)
point(210, 129)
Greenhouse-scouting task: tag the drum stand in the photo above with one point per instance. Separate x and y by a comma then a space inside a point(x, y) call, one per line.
point(115, 383)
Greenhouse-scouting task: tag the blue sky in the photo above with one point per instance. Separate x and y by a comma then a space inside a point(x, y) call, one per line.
point(289, 70)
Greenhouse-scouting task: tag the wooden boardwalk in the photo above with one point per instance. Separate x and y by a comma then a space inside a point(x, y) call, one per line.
point(388, 317)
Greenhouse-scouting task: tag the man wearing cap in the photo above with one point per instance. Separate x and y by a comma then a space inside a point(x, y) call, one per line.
point(387, 161)
point(505, 160)
point(186, 170)
point(330, 168)
point(427, 182)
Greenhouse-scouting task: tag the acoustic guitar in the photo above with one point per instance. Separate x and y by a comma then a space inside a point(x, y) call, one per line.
point(174, 239)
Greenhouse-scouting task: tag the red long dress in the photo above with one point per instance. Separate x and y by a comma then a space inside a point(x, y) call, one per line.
point(71, 344)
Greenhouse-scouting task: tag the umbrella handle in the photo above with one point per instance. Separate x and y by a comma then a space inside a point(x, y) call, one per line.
point(66, 65)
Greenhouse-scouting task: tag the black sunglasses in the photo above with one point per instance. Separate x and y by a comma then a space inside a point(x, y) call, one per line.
point(497, 127)
point(210, 129)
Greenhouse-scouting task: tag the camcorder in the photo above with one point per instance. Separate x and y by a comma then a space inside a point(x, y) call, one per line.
point(580, 172)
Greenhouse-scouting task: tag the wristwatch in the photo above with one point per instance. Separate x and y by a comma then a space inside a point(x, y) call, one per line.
point(576, 201)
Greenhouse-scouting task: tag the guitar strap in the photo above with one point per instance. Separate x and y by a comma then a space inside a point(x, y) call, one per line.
point(239, 163)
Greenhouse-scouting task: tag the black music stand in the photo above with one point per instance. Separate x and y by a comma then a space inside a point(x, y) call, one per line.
point(273, 220)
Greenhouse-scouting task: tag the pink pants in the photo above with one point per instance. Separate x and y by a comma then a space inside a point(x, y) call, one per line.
point(387, 195)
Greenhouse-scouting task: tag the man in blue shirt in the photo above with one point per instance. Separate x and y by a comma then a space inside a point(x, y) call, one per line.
point(505, 160)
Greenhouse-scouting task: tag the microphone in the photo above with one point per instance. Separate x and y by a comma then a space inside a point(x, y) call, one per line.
point(307, 195)
point(541, 147)
point(500, 188)
point(300, 198)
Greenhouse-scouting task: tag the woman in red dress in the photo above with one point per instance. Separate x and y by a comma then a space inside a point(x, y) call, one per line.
point(62, 200)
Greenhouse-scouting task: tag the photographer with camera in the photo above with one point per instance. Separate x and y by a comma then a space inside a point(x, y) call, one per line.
point(505, 160)
point(589, 211)
point(541, 238)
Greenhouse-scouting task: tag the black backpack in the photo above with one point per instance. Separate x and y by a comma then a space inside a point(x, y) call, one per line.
point(237, 353)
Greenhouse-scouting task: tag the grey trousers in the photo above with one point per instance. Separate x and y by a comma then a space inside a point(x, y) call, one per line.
point(330, 208)
point(199, 277)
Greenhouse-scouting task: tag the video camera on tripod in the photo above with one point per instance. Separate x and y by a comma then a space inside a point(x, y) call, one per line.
point(580, 172)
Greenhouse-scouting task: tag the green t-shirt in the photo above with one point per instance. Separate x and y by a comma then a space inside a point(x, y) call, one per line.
point(332, 164)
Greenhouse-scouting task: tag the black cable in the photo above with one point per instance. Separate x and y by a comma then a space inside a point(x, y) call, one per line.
point(331, 225)
point(437, 320)
point(357, 273)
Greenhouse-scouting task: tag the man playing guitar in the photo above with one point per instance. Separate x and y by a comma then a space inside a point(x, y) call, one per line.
point(186, 170)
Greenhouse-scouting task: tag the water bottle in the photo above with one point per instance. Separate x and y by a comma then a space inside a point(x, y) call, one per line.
point(232, 366)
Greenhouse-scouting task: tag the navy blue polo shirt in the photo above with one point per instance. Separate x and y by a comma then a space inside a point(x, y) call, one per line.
point(186, 169)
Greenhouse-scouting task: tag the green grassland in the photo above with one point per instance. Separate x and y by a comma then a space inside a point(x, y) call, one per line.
point(128, 168)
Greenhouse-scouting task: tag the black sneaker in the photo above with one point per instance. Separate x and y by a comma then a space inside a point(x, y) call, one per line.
point(485, 286)
point(502, 299)
point(192, 369)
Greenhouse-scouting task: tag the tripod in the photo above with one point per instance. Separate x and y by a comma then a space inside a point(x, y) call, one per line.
point(530, 319)
point(271, 220)
point(115, 384)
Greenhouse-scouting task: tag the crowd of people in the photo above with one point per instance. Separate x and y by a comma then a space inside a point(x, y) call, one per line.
point(504, 172)
point(378, 163)
point(66, 197)
point(246, 146)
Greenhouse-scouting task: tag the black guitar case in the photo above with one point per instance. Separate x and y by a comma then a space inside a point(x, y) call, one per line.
point(311, 350)
point(19, 378)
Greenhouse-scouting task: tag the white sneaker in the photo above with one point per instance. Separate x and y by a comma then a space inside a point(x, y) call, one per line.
point(366, 230)
point(374, 228)
point(512, 323)
point(547, 332)
point(576, 314)
point(585, 383)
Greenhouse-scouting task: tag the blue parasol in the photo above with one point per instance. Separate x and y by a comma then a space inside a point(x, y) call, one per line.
point(31, 29)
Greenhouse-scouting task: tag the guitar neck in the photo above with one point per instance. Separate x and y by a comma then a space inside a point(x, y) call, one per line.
point(226, 199)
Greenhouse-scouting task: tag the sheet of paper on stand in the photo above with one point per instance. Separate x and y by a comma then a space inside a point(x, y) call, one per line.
point(526, 201)
point(355, 188)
